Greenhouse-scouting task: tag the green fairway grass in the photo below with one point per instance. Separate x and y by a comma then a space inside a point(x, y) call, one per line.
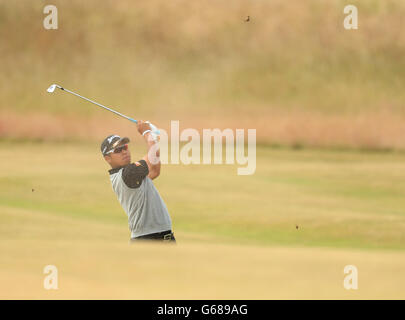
point(57, 207)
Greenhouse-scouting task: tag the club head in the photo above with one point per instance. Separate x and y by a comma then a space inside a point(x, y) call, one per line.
point(52, 88)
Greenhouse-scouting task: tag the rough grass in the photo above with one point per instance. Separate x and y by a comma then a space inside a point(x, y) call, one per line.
point(379, 131)
point(293, 72)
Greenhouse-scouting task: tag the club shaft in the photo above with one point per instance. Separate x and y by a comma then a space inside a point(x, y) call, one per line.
point(100, 105)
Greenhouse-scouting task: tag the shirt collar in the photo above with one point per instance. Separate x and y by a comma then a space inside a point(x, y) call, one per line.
point(115, 170)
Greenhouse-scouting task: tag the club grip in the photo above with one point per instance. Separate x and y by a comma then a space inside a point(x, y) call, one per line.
point(154, 129)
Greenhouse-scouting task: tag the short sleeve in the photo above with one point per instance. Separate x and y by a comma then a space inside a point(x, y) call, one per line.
point(134, 173)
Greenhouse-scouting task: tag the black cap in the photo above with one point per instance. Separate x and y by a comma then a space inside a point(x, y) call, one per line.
point(112, 142)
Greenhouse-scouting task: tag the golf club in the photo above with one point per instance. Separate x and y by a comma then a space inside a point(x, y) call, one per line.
point(51, 89)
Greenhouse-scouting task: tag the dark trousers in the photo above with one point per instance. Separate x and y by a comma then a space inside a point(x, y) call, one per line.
point(165, 236)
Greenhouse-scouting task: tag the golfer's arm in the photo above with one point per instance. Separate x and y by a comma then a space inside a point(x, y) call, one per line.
point(154, 166)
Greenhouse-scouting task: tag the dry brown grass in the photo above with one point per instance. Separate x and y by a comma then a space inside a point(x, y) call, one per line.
point(292, 72)
point(370, 131)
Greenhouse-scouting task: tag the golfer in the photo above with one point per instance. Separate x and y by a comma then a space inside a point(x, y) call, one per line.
point(148, 217)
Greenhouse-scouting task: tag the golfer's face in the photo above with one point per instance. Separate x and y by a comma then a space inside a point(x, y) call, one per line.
point(120, 158)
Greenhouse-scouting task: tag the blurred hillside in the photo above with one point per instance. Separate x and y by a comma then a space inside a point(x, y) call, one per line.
point(292, 72)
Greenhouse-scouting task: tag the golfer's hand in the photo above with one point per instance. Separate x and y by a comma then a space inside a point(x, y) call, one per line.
point(143, 126)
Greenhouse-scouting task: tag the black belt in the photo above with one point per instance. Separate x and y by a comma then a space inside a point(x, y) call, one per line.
point(165, 236)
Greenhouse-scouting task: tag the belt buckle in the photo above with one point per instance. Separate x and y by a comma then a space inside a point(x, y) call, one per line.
point(167, 237)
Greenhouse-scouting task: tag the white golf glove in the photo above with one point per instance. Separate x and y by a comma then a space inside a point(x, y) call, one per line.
point(155, 132)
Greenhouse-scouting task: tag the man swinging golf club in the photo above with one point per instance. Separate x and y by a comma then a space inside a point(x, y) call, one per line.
point(148, 217)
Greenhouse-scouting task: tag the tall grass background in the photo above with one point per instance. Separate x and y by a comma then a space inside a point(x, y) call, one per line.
point(292, 72)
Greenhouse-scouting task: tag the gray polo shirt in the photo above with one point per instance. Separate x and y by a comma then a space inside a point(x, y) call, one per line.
point(146, 211)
